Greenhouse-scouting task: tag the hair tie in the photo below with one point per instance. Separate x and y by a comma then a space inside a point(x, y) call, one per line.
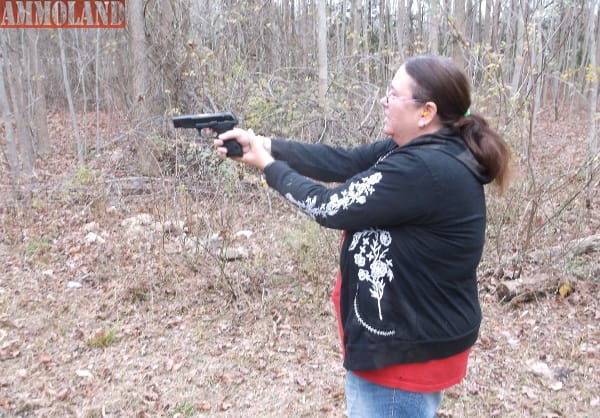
point(468, 113)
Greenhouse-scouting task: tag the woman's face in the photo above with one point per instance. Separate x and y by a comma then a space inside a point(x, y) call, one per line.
point(403, 115)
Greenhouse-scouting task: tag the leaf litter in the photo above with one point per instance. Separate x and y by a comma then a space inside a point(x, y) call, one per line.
point(184, 307)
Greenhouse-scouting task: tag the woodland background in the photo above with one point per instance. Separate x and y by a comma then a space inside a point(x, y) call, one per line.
point(142, 275)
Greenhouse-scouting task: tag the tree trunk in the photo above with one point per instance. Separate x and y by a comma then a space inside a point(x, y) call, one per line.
point(535, 81)
point(16, 90)
point(342, 37)
point(593, 100)
point(366, 41)
point(494, 30)
point(526, 289)
point(293, 31)
point(434, 30)
point(38, 99)
point(322, 53)
point(573, 248)
point(97, 88)
point(356, 32)
point(402, 14)
point(63, 60)
point(382, 41)
point(139, 63)
point(459, 27)
point(139, 86)
point(518, 45)
point(11, 146)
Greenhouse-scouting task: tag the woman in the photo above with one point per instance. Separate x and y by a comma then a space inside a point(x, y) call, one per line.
point(413, 210)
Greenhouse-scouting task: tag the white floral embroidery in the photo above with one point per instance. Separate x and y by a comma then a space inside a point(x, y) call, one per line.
point(373, 245)
point(371, 329)
point(355, 193)
point(359, 260)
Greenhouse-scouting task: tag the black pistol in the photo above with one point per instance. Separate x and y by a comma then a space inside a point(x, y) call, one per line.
point(218, 122)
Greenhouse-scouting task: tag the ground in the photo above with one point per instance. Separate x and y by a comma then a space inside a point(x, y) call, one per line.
point(177, 296)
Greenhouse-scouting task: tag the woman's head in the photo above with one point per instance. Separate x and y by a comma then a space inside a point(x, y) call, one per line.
point(429, 93)
point(441, 81)
point(406, 115)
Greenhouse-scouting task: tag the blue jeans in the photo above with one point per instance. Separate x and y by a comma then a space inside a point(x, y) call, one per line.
point(368, 400)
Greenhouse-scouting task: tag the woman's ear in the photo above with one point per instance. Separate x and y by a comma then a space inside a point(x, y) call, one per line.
point(429, 111)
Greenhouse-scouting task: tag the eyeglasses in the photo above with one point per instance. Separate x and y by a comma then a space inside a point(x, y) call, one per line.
point(389, 96)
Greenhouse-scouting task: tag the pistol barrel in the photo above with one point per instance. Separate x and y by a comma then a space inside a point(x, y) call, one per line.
point(205, 120)
point(218, 122)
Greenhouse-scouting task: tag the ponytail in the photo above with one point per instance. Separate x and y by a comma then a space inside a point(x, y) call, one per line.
point(487, 147)
point(440, 80)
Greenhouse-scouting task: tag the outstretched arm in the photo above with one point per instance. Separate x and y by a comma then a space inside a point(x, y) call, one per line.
point(317, 161)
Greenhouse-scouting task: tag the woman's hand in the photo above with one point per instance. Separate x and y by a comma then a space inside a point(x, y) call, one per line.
point(256, 148)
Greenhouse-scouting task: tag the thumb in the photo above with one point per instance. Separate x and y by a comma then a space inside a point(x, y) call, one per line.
point(232, 133)
point(251, 135)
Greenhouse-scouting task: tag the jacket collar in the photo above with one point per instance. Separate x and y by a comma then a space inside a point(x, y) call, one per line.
point(449, 141)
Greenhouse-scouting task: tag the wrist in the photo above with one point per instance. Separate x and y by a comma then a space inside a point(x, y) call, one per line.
point(266, 162)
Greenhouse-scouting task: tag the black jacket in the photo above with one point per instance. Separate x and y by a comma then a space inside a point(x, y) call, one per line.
point(414, 218)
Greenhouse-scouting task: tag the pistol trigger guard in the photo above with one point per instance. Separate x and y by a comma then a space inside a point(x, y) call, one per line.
point(203, 135)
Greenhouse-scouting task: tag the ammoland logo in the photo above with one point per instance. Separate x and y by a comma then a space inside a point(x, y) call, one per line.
point(62, 14)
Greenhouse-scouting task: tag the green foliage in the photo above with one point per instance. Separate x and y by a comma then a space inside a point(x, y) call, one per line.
point(187, 409)
point(84, 175)
point(80, 187)
point(35, 246)
point(102, 339)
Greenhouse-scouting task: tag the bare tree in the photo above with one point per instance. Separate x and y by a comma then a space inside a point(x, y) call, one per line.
point(139, 61)
point(322, 53)
point(341, 38)
point(12, 156)
point(357, 7)
point(216, 54)
point(459, 29)
point(13, 47)
point(81, 151)
point(435, 29)
point(97, 87)
point(592, 30)
point(495, 23)
point(39, 107)
point(518, 42)
point(140, 84)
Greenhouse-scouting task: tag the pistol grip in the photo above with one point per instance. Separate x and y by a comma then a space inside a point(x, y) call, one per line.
point(234, 149)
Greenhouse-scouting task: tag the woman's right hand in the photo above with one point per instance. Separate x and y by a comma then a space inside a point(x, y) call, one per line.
point(256, 148)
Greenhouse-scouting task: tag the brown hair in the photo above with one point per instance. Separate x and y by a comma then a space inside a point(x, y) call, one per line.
point(440, 80)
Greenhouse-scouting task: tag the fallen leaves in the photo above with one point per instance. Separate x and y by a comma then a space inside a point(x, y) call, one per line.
point(565, 290)
point(84, 373)
point(44, 358)
point(4, 403)
point(203, 406)
point(550, 378)
point(10, 350)
point(59, 395)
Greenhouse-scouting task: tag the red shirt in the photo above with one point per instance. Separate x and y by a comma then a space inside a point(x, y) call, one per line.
point(431, 376)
